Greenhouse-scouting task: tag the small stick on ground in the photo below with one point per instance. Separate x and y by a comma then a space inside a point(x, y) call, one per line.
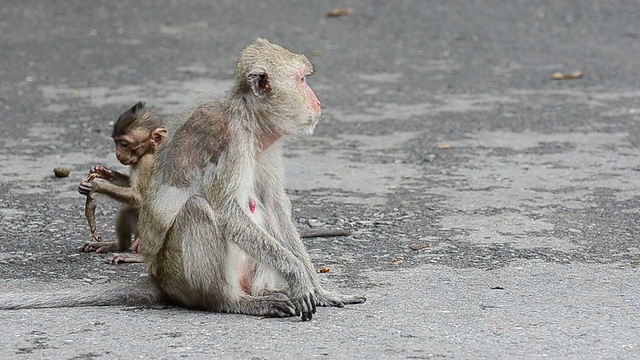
point(419, 247)
point(323, 233)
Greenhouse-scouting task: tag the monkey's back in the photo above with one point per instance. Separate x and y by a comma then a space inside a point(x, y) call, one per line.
point(195, 143)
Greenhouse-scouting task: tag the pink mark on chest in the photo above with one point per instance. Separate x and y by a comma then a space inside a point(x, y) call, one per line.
point(252, 206)
point(244, 284)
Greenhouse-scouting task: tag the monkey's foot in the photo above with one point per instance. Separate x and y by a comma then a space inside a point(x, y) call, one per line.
point(272, 305)
point(327, 299)
point(125, 258)
point(281, 309)
point(100, 247)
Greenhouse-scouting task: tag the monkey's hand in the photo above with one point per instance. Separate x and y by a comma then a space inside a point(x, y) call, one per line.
point(88, 187)
point(102, 172)
point(85, 187)
point(112, 176)
point(303, 296)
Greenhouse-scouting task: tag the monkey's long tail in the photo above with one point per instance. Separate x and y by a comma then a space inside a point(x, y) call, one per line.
point(143, 292)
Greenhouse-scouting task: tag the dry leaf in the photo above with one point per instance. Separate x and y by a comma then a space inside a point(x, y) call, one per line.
point(443, 146)
point(323, 270)
point(339, 12)
point(398, 262)
point(574, 75)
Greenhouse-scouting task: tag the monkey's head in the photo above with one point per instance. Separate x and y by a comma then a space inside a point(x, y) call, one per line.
point(138, 131)
point(274, 81)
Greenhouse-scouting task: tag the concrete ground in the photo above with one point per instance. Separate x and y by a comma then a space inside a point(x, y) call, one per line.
point(441, 127)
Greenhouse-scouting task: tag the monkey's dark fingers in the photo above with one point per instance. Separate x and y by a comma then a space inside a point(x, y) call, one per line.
point(102, 172)
point(301, 307)
point(306, 314)
point(312, 301)
point(85, 188)
point(297, 306)
point(306, 307)
point(282, 309)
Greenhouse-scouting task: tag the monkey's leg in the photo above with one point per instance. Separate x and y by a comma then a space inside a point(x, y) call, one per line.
point(126, 226)
point(214, 269)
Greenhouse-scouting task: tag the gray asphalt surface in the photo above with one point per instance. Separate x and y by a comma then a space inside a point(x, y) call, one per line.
point(441, 127)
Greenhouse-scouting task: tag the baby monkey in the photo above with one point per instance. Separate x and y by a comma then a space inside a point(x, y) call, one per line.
point(136, 134)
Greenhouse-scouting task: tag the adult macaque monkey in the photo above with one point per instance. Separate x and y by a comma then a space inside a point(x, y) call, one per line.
point(215, 221)
point(136, 134)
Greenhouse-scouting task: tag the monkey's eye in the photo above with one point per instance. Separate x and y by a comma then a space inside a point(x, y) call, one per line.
point(304, 79)
point(123, 144)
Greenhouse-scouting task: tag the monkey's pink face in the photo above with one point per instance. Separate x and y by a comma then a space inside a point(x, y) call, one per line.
point(311, 101)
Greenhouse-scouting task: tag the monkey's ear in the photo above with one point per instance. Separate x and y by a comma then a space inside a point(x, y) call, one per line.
point(157, 136)
point(259, 82)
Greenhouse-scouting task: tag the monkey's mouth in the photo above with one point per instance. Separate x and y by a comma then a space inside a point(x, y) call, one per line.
point(130, 162)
